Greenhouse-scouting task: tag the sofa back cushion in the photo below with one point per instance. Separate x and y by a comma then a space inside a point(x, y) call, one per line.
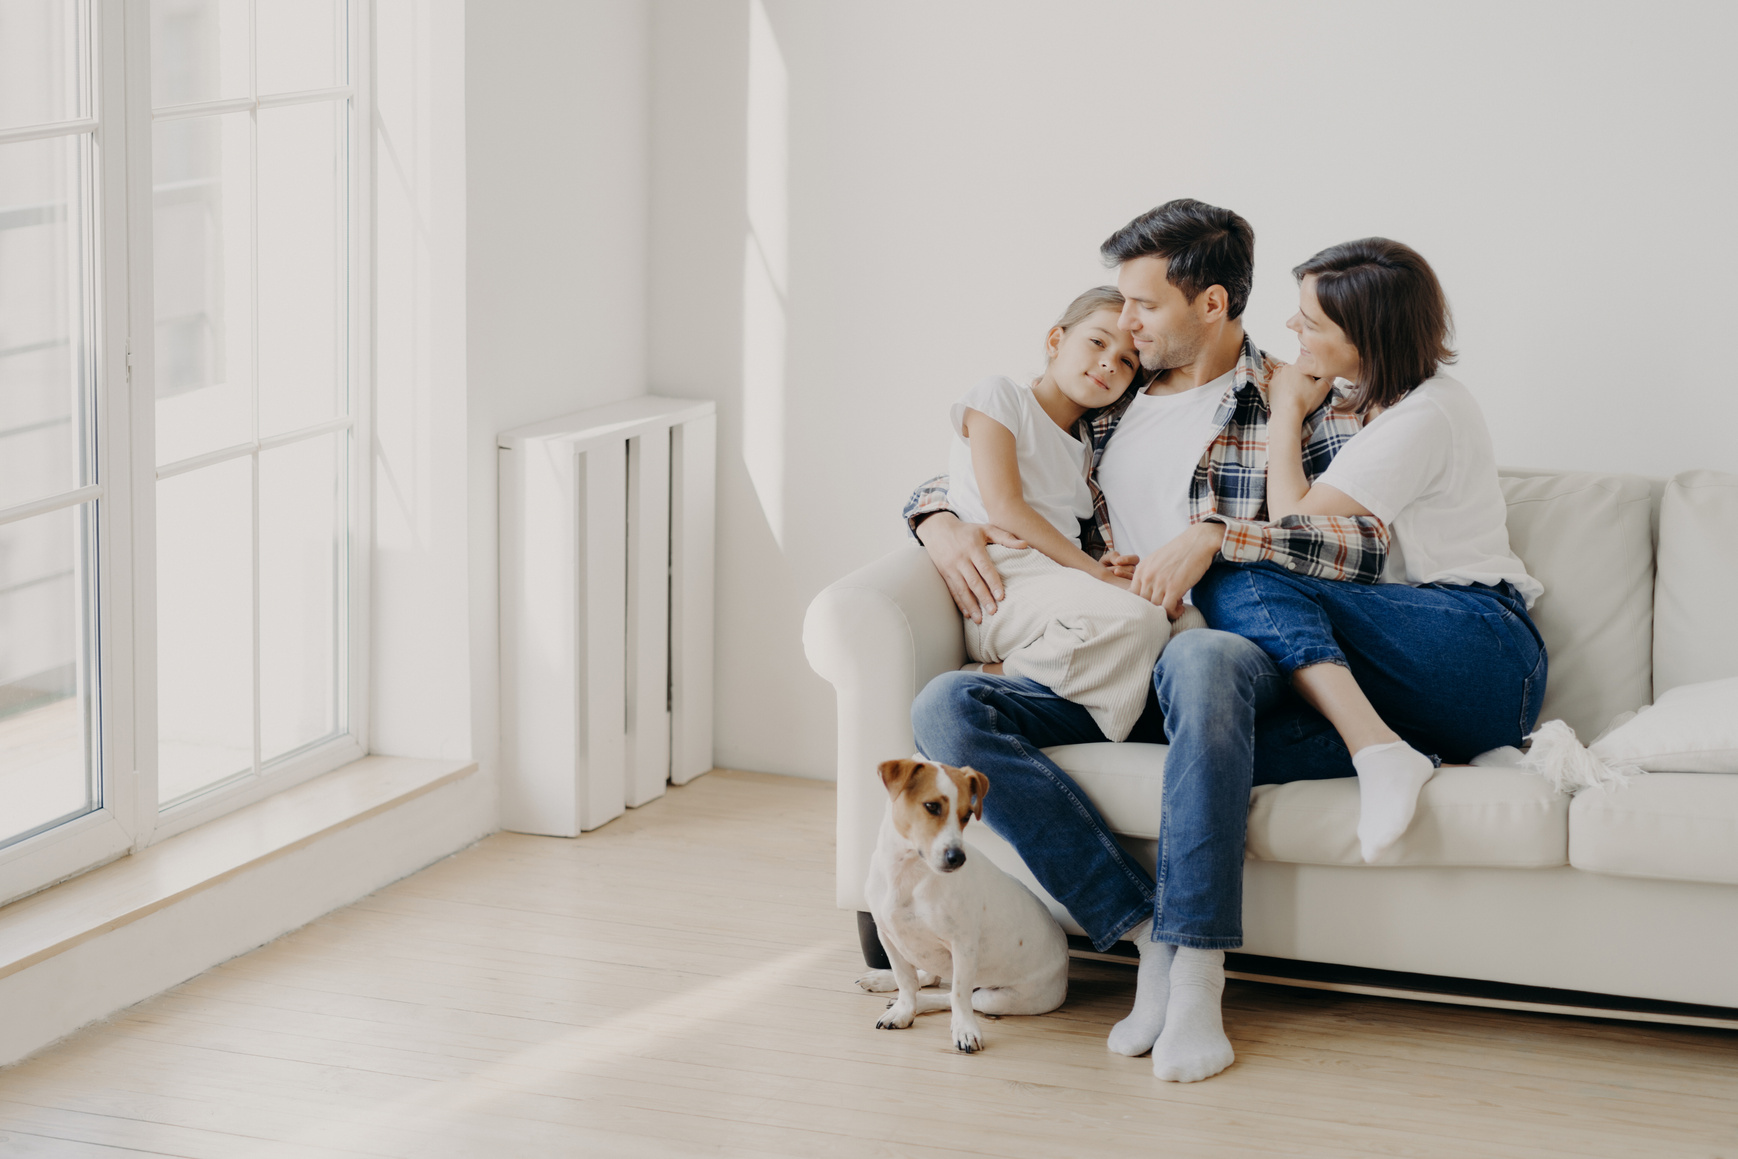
point(1695, 612)
point(1587, 539)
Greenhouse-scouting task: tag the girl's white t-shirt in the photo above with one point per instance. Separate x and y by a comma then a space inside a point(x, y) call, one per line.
point(1052, 462)
point(1425, 467)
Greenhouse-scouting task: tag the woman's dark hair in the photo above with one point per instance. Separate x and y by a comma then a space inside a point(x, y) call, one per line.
point(1386, 298)
point(1203, 244)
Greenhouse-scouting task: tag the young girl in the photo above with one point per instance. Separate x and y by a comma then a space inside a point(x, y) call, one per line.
point(1440, 657)
point(1066, 621)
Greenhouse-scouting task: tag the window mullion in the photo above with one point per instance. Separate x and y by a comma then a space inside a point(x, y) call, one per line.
point(253, 242)
point(128, 639)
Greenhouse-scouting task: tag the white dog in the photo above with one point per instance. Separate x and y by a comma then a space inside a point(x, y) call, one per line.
point(943, 913)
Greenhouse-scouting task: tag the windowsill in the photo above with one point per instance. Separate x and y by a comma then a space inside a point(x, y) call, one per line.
point(36, 928)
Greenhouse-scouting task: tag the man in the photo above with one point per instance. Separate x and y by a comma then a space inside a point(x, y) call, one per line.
point(1179, 477)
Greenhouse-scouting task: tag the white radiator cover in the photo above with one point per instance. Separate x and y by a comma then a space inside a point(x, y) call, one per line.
point(606, 527)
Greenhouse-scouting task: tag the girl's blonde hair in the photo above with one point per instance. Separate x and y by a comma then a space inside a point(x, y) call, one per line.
point(1096, 299)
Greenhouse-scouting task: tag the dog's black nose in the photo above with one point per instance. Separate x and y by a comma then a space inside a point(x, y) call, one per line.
point(954, 858)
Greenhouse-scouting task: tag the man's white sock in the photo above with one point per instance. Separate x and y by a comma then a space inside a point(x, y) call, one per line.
point(1193, 1046)
point(1136, 1034)
point(1389, 778)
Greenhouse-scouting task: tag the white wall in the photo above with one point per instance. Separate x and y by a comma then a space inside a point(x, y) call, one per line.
point(556, 193)
point(1569, 169)
point(420, 657)
point(512, 201)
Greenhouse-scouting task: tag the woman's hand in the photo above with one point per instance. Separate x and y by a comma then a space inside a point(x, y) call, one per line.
point(958, 551)
point(1292, 393)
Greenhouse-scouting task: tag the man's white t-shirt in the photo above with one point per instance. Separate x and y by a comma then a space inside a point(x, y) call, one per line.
point(1052, 462)
point(1425, 467)
point(1150, 460)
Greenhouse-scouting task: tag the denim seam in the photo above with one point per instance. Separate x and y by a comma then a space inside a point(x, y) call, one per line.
point(1526, 726)
point(1116, 851)
point(1158, 933)
point(1191, 941)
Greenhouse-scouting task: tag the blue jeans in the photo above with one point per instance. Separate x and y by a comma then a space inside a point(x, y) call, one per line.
point(1231, 719)
point(1455, 669)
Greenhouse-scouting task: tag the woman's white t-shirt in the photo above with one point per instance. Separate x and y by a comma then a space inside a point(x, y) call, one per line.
point(1425, 467)
point(1052, 462)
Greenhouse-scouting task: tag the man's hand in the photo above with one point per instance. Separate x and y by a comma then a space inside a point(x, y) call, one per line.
point(957, 550)
point(1292, 392)
point(1165, 576)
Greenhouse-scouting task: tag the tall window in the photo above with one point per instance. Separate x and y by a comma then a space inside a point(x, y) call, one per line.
point(179, 376)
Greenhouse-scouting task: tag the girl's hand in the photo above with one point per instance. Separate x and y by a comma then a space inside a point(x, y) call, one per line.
point(1293, 393)
point(1123, 566)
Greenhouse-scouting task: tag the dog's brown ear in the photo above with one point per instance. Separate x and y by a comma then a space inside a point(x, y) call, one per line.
point(978, 786)
point(894, 774)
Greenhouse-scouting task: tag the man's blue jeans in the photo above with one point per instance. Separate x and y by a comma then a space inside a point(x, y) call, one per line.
point(1227, 709)
point(1209, 689)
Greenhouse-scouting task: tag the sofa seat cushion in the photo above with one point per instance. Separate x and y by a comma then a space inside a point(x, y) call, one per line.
point(1502, 818)
point(1125, 781)
point(1676, 826)
point(1498, 818)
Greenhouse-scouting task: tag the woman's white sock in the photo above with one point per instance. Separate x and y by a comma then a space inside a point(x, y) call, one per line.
point(1389, 778)
point(1193, 1045)
point(1136, 1034)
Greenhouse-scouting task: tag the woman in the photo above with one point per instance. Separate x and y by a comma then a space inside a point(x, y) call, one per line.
point(1440, 660)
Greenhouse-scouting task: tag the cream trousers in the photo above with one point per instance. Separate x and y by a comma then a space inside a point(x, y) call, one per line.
point(1082, 638)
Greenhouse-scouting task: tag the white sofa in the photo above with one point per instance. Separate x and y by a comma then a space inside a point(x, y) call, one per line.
point(1633, 892)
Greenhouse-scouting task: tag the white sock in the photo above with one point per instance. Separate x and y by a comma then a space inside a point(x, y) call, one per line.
point(1389, 777)
point(1136, 1034)
point(1193, 1046)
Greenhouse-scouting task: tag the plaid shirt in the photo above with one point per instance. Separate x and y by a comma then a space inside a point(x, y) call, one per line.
point(1230, 484)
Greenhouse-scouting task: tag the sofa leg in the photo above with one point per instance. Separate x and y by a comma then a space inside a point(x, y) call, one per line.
point(873, 955)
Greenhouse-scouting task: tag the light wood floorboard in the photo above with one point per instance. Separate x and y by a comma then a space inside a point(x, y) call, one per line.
point(678, 983)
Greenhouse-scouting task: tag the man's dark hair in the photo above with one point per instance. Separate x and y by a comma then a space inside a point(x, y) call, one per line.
point(1204, 245)
point(1386, 298)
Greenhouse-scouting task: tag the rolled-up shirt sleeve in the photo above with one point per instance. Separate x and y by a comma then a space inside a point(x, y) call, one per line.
point(929, 499)
point(1339, 547)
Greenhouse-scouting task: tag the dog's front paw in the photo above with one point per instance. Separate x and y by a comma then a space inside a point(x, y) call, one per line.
point(898, 1016)
point(878, 982)
point(966, 1037)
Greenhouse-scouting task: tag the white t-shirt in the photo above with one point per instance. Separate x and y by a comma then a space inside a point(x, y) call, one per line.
point(1150, 460)
point(1425, 467)
point(1052, 462)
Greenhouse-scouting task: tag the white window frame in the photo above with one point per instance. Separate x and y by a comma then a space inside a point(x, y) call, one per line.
point(125, 487)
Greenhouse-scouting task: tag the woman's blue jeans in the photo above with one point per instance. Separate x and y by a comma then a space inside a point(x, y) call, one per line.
point(1455, 669)
point(1227, 709)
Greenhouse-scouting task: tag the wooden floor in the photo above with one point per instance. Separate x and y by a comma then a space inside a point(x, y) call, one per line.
point(679, 983)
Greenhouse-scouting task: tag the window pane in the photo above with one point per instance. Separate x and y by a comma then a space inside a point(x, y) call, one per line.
point(301, 45)
point(46, 714)
point(198, 51)
point(203, 282)
point(301, 265)
point(204, 627)
point(43, 295)
point(42, 58)
point(302, 517)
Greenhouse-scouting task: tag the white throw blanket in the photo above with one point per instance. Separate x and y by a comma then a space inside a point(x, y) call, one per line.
point(1082, 638)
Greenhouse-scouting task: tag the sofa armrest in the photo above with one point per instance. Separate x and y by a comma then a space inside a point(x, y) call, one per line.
point(878, 636)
